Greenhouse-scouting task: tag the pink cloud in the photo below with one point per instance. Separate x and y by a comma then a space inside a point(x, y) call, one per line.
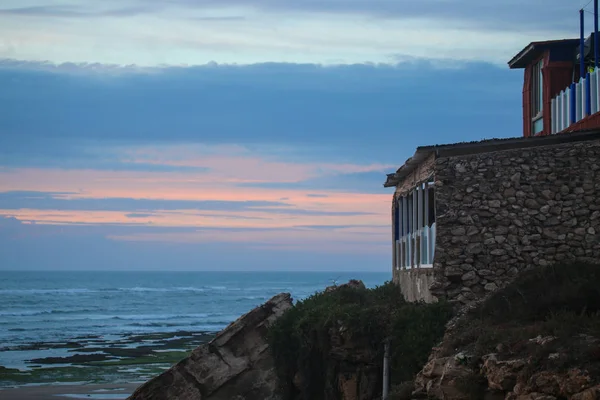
point(367, 214)
point(235, 164)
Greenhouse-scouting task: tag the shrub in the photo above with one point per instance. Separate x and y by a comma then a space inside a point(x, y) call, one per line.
point(537, 293)
point(562, 301)
point(300, 340)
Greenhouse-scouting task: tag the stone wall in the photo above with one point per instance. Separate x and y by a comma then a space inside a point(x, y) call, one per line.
point(414, 283)
point(500, 212)
point(420, 174)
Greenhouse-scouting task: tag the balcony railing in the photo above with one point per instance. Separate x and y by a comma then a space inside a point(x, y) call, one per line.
point(576, 102)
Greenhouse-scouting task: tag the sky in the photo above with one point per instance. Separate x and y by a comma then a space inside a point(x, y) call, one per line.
point(239, 135)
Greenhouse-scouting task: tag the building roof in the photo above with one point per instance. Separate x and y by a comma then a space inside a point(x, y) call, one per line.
point(535, 49)
point(485, 146)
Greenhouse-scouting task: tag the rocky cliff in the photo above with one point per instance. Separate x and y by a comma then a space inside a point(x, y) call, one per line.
point(536, 339)
point(235, 365)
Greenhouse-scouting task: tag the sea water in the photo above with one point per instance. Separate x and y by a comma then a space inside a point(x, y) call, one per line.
point(41, 307)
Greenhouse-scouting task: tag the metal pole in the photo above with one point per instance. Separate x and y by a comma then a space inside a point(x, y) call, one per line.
point(581, 45)
point(595, 33)
point(386, 370)
point(573, 103)
point(588, 95)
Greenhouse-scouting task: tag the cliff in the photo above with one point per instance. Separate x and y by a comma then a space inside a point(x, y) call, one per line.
point(536, 339)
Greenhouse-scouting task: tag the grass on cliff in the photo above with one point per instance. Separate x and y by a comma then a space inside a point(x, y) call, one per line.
point(560, 302)
point(301, 340)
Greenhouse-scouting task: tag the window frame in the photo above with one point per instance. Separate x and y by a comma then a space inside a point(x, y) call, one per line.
point(537, 96)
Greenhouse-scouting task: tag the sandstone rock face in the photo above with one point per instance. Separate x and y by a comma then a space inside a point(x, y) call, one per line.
point(442, 378)
point(235, 365)
point(448, 378)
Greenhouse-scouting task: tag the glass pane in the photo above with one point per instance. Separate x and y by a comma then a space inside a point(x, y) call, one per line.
point(538, 125)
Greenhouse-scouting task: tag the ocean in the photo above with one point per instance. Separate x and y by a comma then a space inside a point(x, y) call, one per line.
point(47, 318)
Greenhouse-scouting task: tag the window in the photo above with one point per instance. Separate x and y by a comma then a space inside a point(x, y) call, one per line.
point(537, 98)
point(414, 233)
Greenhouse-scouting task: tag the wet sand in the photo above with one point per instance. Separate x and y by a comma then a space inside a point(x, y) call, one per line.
point(57, 392)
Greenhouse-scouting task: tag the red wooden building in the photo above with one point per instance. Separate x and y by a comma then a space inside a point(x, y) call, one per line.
point(556, 98)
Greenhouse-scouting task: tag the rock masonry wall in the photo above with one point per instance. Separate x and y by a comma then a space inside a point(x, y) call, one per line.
point(501, 212)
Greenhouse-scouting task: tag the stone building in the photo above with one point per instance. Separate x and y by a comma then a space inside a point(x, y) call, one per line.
point(467, 217)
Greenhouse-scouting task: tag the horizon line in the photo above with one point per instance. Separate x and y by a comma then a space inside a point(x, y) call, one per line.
point(182, 270)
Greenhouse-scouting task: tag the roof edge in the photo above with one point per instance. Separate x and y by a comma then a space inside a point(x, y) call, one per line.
point(517, 61)
point(530, 47)
point(487, 146)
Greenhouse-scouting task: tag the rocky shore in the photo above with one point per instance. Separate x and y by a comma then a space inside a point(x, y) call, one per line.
point(92, 359)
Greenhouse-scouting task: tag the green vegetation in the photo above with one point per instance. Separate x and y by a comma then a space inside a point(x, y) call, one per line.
point(303, 338)
point(560, 303)
point(561, 300)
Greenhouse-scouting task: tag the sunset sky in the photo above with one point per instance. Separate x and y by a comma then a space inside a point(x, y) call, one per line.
point(235, 135)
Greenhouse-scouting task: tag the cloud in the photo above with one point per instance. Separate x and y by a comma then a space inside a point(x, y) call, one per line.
point(150, 167)
point(54, 249)
point(57, 201)
point(72, 11)
point(349, 114)
point(503, 14)
point(245, 32)
point(491, 15)
point(139, 215)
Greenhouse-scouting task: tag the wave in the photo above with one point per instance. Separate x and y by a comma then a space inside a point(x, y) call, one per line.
point(158, 317)
point(108, 290)
point(46, 291)
point(173, 289)
point(202, 289)
point(43, 312)
point(127, 319)
point(154, 324)
point(244, 298)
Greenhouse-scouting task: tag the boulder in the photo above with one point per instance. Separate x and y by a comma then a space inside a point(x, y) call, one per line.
point(235, 365)
point(443, 378)
point(501, 375)
point(352, 283)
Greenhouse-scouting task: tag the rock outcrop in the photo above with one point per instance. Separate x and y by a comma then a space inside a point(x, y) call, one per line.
point(522, 375)
point(535, 339)
point(235, 365)
point(445, 378)
point(352, 283)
